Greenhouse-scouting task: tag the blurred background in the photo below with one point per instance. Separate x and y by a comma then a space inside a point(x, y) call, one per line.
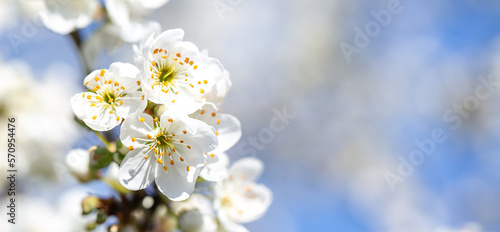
point(363, 84)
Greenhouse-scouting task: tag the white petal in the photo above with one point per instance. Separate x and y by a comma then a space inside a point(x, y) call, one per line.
point(187, 49)
point(218, 79)
point(168, 39)
point(227, 126)
point(216, 167)
point(64, 18)
point(207, 114)
point(125, 71)
point(118, 11)
point(246, 169)
point(89, 80)
point(249, 203)
point(136, 172)
point(229, 131)
point(196, 130)
point(229, 225)
point(218, 92)
point(133, 128)
point(137, 31)
point(77, 104)
point(194, 155)
point(205, 135)
point(173, 183)
point(153, 4)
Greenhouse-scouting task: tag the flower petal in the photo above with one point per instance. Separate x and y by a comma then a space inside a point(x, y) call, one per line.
point(196, 130)
point(216, 167)
point(168, 38)
point(249, 203)
point(245, 170)
point(229, 130)
point(135, 171)
point(174, 183)
point(193, 155)
point(229, 225)
point(133, 127)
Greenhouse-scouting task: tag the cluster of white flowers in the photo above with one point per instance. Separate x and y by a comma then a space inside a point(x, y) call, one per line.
point(172, 131)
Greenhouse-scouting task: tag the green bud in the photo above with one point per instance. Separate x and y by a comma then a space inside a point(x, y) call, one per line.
point(101, 216)
point(100, 158)
point(89, 204)
point(90, 226)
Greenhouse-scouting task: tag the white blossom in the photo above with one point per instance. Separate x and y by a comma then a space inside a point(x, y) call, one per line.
point(65, 16)
point(129, 17)
point(196, 214)
point(238, 198)
point(169, 150)
point(113, 95)
point(175, 73)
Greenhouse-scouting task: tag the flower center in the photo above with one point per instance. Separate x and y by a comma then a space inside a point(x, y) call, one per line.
point(108, 97)
point(163, 142)
point(167, 74)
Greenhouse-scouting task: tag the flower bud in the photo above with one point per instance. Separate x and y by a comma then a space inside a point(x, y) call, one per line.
point(114, 228)
point(77, 163)
point(101, 216)
point(90, 226)
point(191, 221)
point(89, 204)
point(100, 158)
